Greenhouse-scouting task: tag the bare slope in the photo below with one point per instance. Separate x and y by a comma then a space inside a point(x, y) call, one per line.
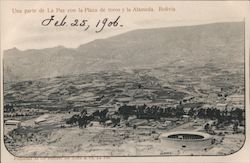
point(221, 44)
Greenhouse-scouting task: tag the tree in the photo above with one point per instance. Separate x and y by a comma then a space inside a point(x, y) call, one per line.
point(73, 120)
point(84, 112)
point(191, 112)
point(209, 113)
point(82, 121)
point(235, 127)
point(179, 111)
point(103, 115)
point(115, 120)
point(237, 114)
point(126, 111)
point(201, 113)
point(207, 127)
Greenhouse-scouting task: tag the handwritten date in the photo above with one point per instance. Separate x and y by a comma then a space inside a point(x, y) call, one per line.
point(100, 24)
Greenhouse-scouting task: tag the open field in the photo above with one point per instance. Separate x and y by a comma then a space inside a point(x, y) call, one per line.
point(49, 139)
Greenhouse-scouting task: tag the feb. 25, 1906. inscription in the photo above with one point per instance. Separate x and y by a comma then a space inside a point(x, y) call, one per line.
point(82, 22)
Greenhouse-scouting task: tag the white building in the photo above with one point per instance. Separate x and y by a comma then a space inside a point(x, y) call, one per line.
point(13, 123)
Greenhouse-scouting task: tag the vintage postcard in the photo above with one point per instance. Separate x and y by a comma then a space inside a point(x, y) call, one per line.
point(125, 81)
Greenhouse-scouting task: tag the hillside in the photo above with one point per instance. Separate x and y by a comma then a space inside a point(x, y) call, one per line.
point(220, 44)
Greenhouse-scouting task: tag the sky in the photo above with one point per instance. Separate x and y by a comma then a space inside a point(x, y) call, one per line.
point(24, 31)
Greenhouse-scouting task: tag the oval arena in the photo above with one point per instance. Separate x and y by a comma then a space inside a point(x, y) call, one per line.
point(186, 140)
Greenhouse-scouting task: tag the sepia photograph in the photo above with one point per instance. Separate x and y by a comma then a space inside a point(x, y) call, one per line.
point(176, 89)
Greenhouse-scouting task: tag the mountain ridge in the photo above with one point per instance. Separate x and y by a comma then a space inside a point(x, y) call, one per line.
point(134, 49)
